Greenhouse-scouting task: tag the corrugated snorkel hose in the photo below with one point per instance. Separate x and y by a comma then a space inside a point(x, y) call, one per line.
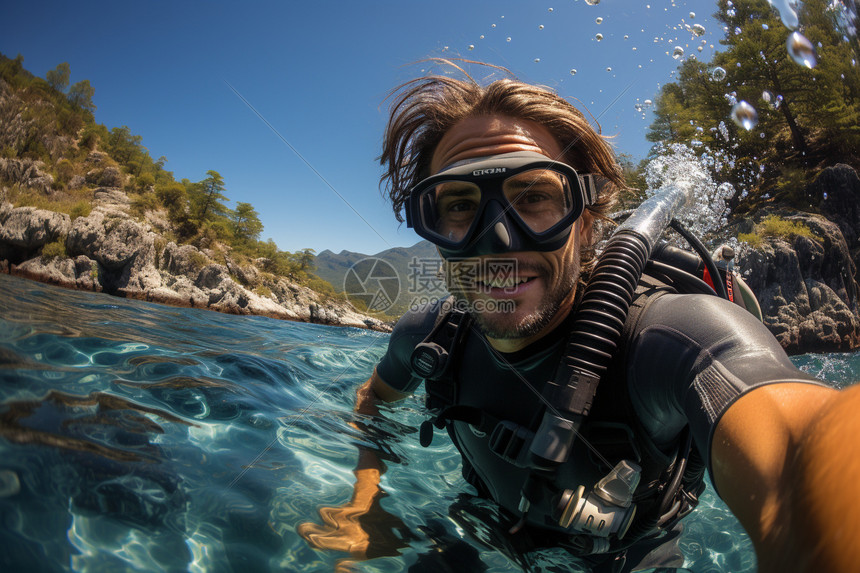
point(605, 302)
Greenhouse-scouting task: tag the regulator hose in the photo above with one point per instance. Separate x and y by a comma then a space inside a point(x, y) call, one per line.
point(603, 309)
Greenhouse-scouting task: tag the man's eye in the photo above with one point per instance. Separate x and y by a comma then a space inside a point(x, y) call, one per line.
point(460, 207)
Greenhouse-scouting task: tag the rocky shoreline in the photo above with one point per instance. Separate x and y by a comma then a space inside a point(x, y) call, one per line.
point(109, 251)
point(807, 287)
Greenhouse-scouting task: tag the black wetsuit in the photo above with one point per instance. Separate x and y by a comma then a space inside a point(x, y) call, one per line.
point(686, 359)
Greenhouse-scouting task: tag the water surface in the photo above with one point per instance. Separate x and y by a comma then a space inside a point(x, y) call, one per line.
point(136, 436)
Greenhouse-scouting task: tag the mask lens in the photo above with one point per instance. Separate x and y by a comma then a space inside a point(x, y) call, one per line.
point(449, 208)
point(541, 197)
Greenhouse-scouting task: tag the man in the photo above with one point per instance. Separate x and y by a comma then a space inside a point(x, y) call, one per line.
point(508, 171)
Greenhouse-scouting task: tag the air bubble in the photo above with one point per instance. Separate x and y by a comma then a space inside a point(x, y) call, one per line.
point(471, 46)
point(598, 20)
point(481, 37)
point(540, 27)
point(573, 72)
point(592, 2)
point(508, 39)
point(698, 30)
point(738, 31)
point(700, 48)
point(608, 69)
point(692, 15)
point(598, 37)
point(678, 52)
point(718, 74)
point(626, 37)
point(549, 9)
point(537, 60)
point(744, 115)
point(801, 50)
point(786, 13)
point(766, 96)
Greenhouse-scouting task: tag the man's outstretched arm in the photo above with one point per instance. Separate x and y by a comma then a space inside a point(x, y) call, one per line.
point(786, 460)
point(342, 528)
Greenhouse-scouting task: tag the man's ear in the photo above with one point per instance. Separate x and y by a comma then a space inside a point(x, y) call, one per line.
point(586, 229)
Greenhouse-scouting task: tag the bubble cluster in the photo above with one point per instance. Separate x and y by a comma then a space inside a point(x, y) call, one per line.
point(678, 165)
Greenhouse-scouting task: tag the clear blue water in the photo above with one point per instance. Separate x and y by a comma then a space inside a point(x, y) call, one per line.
point(135, 436)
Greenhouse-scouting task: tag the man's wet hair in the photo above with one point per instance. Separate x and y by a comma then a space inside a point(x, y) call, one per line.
point(422, 110)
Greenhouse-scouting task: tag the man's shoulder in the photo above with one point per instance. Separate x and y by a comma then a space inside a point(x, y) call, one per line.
point(412, 328)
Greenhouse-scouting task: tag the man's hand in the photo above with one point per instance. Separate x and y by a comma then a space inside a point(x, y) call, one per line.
point(361, 527)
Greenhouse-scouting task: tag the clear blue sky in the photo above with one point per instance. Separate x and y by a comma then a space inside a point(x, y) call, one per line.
point(319, 72)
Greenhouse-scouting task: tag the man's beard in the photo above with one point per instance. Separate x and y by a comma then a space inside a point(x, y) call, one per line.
point(494, 324)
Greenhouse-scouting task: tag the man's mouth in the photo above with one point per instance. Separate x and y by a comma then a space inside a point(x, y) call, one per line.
point(506, 284)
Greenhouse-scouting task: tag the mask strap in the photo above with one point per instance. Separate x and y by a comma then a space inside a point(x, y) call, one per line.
point(589, 186)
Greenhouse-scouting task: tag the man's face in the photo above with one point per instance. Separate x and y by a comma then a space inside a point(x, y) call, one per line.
point(545, 282)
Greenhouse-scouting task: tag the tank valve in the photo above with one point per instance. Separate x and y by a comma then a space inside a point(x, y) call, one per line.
point(607, 509)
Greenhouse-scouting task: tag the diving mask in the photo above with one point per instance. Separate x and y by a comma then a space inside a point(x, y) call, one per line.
point(521, 201)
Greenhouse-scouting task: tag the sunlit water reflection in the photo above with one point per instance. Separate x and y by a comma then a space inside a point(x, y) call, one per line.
point(138, 436)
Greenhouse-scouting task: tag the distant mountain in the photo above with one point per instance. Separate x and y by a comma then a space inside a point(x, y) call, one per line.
point(389, 280)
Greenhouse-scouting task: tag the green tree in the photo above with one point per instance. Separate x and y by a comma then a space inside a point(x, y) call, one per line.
point(207, 196)
point(305, 259)
point(174, 197)
point(246, 222)
point(81, 94)
point(123, 146)
point(59, 77)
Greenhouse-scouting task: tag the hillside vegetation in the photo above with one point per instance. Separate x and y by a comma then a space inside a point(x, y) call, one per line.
point(54, 155)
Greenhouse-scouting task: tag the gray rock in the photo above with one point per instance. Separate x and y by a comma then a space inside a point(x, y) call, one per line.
point(124, 250)
point(111, 177)
point(211, 276)
point(28, 173)
point(28, 229)
point(80, 273)
point(76, 182)
point(184, 260)
point(805, 288)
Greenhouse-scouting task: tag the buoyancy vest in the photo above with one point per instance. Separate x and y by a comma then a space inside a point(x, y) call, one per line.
point(671, 481)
